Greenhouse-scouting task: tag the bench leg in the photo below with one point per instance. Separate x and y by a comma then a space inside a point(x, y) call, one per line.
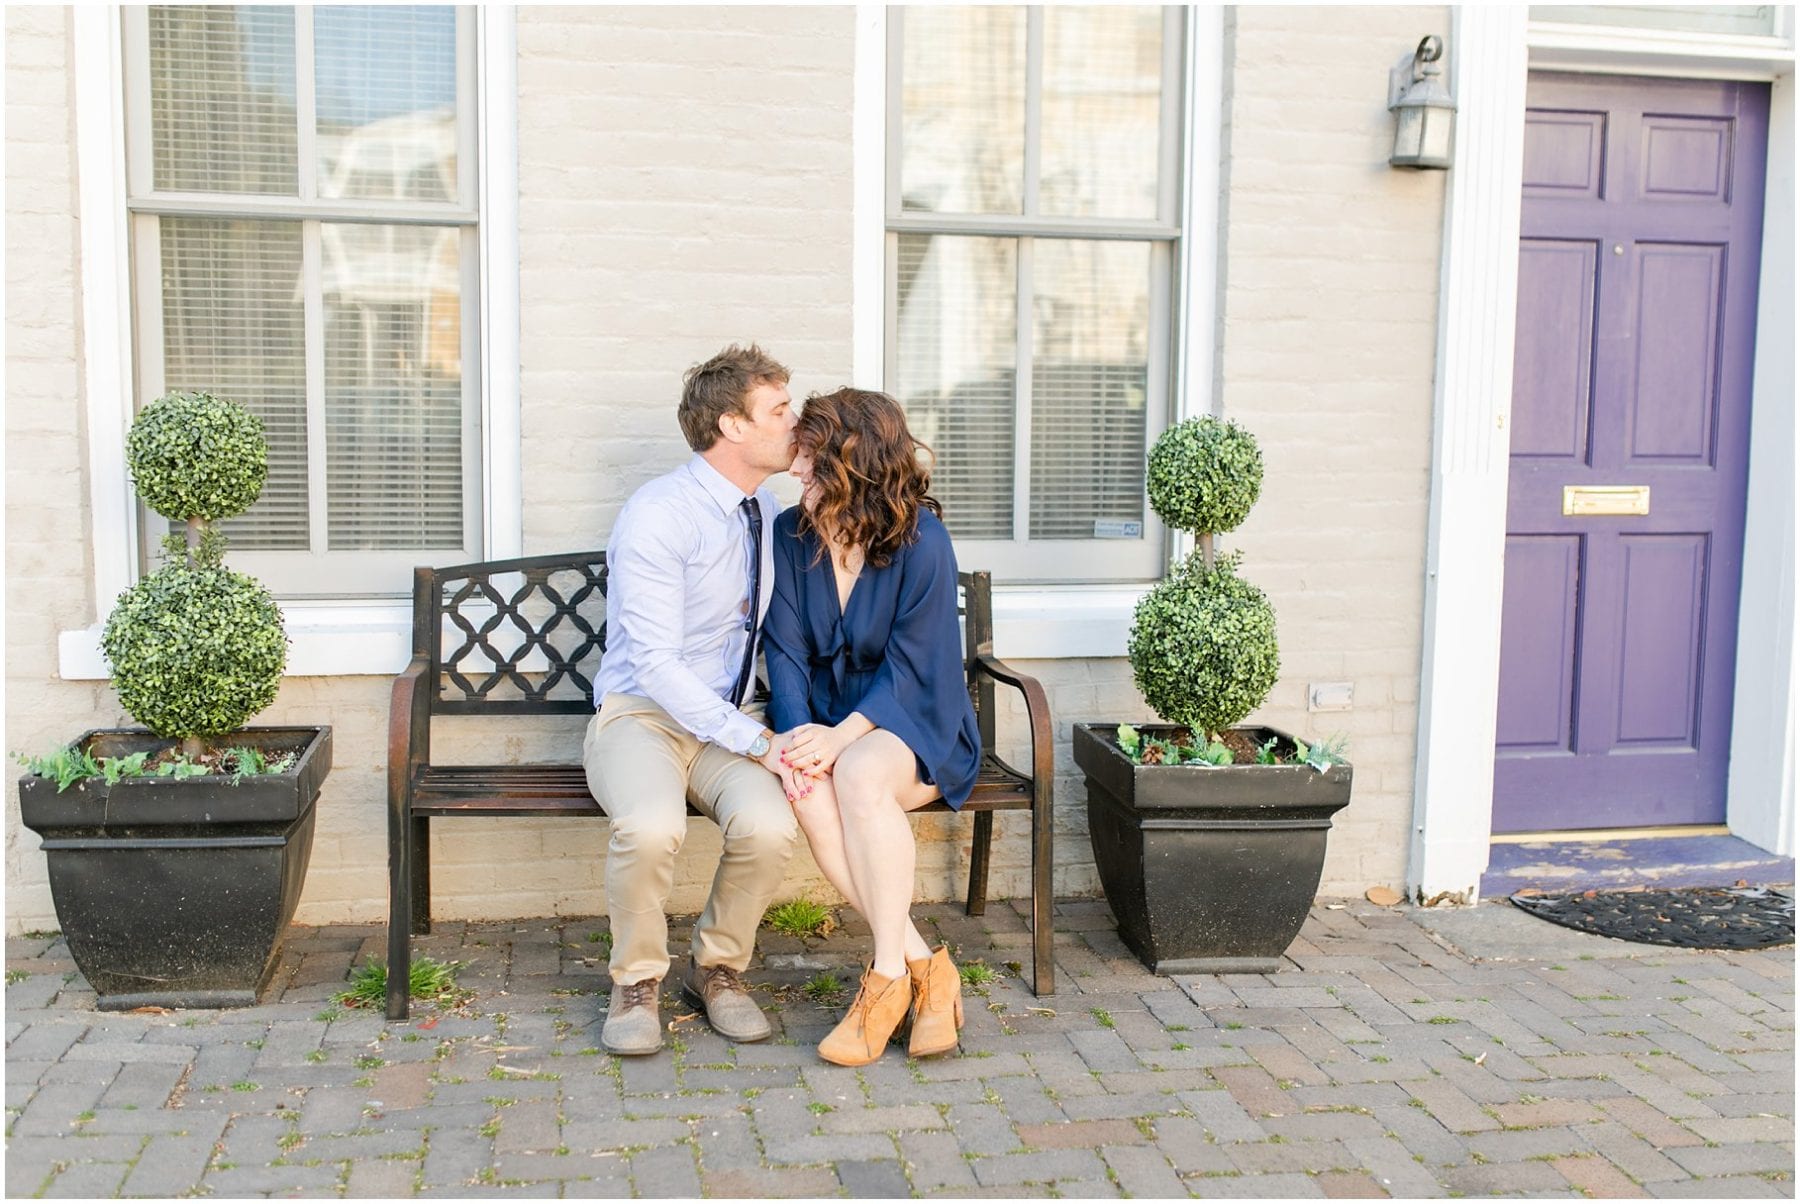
point(1043, 924)
point(400, 901)
point(979, 851)
point(419, 845)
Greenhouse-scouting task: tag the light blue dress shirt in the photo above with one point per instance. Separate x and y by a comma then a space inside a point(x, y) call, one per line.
point(678, 569)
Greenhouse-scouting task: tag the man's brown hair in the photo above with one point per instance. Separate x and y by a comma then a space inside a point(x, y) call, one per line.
point(721, 386)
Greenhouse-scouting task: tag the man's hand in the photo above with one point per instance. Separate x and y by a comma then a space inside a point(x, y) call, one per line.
point(793, 784)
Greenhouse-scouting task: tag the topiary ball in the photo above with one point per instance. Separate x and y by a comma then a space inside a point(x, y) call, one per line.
point(1204, 475)
point(195, 651)
point(193, 455)
point(1203, 646)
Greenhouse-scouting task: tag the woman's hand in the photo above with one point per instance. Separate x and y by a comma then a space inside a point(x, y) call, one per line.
point(793, 783)
point(815, 747)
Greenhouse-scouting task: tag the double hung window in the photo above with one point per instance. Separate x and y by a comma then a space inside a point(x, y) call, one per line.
point(1032, 225)
point(303, 208)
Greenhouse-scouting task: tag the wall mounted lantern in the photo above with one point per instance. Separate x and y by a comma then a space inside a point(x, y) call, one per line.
point(1424, 113)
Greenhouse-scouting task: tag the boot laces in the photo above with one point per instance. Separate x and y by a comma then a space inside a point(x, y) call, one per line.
point(638, 994)
point(722, 978)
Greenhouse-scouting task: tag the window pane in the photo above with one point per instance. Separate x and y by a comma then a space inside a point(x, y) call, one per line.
point(1089, 372)
point(962, 110)
point(1102, 111)
point(386, 85)
point(393, 386)
point(222, 99)
point(955, 340)
point(233, 325)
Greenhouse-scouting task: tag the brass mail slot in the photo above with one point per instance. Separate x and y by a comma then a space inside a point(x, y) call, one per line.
point(1590, 500)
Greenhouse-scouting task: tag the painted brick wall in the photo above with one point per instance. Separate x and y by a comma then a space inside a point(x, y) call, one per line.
point(1329, 324)
point(686, 182)
point(47, 566)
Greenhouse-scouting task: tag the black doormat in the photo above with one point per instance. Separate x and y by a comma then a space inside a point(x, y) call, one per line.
point(1751, 917)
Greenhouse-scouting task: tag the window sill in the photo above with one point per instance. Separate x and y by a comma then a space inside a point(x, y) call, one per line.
point(375, 639)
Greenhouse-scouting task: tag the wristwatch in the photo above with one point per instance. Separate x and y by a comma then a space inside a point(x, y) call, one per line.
point(759, 747)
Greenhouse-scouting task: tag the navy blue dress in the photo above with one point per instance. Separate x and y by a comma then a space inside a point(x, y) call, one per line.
point(894, 654)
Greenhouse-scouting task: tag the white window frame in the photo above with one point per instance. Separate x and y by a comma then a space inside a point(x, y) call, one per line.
point(328, 637)
point(1057, 621)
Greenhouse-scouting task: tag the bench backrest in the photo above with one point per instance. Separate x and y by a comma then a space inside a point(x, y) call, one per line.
point(525, 637)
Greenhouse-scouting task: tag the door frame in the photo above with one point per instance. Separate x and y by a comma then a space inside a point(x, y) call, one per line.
point(1493, 49)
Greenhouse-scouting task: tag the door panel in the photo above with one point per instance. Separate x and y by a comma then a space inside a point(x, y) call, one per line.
point(1537, 687)
point(1639, 242)
point(1555, 355)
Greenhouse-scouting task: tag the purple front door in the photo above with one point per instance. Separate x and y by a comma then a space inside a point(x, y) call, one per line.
point(1638, 257)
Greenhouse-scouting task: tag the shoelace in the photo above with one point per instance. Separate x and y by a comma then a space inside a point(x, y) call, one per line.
point(723, 978)
point(638, 994)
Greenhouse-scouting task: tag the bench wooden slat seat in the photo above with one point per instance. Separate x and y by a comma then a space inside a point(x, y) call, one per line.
point(525, 637)
point(563, 790)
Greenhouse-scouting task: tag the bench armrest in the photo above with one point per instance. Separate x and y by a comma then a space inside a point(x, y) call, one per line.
point(1037, 712)
point(409, 725)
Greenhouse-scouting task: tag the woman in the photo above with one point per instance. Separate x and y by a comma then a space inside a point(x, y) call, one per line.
point(866, 684)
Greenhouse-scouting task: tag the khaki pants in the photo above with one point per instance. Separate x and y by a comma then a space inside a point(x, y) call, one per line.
point(644, 768)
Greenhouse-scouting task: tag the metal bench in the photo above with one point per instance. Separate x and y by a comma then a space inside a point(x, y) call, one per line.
point(524, 637)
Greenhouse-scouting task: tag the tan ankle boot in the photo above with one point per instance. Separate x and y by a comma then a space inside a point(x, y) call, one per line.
point(937, 1004)
point(879, 1007)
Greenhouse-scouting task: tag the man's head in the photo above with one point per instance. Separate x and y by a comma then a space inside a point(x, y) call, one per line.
point(718, 398)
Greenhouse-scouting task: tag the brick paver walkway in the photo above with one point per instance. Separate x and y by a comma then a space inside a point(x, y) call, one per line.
point(1383, 1063)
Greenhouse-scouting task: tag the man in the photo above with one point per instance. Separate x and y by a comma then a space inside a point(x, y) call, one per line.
point(690, 568)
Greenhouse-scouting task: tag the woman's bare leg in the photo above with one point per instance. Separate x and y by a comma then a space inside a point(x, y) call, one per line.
point(818, 815)
point(877, 783)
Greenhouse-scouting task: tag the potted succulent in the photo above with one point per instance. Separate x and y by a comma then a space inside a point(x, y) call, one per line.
point(1209, 838)
point(176, 854)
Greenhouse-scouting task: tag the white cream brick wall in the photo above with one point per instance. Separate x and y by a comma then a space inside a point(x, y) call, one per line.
point(1328, 318)
point(685, 181)
point(47, 566)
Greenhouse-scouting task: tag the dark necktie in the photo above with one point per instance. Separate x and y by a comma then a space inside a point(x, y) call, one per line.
point(753, 516)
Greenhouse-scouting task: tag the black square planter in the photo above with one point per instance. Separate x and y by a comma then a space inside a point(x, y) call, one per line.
point(1209, 870)
point(175, 892)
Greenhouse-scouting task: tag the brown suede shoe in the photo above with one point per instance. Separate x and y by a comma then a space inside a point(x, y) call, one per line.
point(937, 1004)
point(879, 1007)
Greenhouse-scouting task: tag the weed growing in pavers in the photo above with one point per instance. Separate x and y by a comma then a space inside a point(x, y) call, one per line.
point(13, 976)
point(492, 1127)
point(1233, 1025)
point(257, 1042)
point(819, 1109)
point(1175, 1028)
point(39, 934)
point(429, 980)
point(367, 1080)
point(317, 1055)
point(369, 1062)
point(1103, 1017)
point(800, 918)
point(976, 974)
point(81, 1118)
point(246, 1085)
point(1442, 1020)
point(824, 987)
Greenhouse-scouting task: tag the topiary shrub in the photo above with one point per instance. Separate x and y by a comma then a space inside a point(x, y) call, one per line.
point(195, 648)
point(1202, 646)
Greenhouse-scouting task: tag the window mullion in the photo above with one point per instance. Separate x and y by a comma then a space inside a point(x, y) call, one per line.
point(1021, 525)
point(1034, 104)
point(312, 275)
point(1034, 126)
point(306, 165)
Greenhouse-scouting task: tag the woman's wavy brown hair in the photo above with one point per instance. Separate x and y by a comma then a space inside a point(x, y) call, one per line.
point(868, 470)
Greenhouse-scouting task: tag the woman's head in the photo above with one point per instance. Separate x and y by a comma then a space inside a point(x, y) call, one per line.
point(863, 475)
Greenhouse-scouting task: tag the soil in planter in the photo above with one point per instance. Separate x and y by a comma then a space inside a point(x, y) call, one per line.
point(1243, 748)
point(218, 759)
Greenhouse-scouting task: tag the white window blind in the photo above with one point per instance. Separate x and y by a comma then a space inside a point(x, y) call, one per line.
point(302, 190)
point(1032, 219)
